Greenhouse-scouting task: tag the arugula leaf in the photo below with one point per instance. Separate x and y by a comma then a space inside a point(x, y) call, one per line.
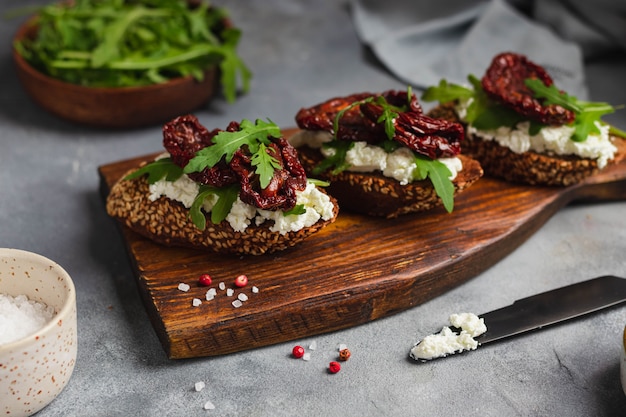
point(446, 92)
point(494, 116)
point(587, 113)
point(265, 164)
point(297, 210)
point(317, 182)
point(337, 162)
point(226, 197)
point(344, 110)
point(227, 143)
point(157, 170)
point(439, 175)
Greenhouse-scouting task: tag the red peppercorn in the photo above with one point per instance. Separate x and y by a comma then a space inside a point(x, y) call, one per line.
point(334, 367)
point(344, 354)
point(205, 280)
point(297, 352)
point(241, 281)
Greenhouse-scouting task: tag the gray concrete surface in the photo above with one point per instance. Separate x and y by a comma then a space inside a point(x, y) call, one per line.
point(301, 53)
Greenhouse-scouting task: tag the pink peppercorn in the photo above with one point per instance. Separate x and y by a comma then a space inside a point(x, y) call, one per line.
point(241, 281)
point(334, 367)
point(205, 280)
point(297, 352)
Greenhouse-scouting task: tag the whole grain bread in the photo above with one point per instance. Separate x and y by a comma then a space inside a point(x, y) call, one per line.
point(376, 195)
point(167, 222)
point(529, 167)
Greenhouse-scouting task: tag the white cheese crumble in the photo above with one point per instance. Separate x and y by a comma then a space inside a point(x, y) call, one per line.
point(316, 203)
point(447, 342)
point(550, 139)
point(363, 157)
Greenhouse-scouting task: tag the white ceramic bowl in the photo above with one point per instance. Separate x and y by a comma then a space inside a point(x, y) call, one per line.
point(36, 368)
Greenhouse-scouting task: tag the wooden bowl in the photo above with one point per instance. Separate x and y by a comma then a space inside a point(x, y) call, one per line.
point(112, 107)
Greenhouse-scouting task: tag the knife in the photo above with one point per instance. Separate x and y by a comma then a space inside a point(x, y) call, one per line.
point(551, 307)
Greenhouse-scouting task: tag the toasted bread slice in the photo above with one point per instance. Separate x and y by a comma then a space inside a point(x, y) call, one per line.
point(167, 222)
point(376, 195)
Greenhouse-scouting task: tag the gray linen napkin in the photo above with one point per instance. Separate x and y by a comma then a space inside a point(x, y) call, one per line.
point(423, 42)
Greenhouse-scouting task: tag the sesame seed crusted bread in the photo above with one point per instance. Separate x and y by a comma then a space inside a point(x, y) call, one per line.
point(167, 222)
point(528, 167)
point(374, 194)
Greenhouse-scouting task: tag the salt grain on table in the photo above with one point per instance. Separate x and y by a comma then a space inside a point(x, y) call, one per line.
point(20, 317)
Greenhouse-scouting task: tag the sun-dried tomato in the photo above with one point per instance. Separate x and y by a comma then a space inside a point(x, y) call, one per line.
point(504, 83)
point(434, 138)
point(280, 194)
point(184, 136)
point(352, 125)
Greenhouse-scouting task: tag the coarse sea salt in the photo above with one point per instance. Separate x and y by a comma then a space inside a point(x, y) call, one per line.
point(255, 290)
point(199, 386)
point(242, 297)
point(20, 316)
point(183, 287)
point(196, 302)
point(209, 405)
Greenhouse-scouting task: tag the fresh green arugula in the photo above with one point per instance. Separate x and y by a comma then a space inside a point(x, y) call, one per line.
point(337, 161)
point(439, 175)
point(588, 114)
point(265, 164)
point(120, 43)
point(256, 136)
point(157, 170)
point(437, 172)
point(485, 114)
point(226, 197)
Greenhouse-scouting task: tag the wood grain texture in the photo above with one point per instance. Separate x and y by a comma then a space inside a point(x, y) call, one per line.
point(356, 270)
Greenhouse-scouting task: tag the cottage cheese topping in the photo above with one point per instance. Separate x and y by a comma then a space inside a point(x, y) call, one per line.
point(316, 203)
point(364, 157)
point(555, 139)
point(447, 342)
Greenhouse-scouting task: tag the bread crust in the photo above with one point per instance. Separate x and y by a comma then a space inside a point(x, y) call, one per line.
point(167, 222)
point(529, 167)
point(374, 194)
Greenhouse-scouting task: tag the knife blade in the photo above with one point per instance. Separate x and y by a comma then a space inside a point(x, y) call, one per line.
point(551, 307)
point(526, 314)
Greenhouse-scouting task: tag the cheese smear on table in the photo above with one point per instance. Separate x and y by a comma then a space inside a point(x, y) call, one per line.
point(363, 157)
point(242, 215)
point(549, 139)
point(447, 342)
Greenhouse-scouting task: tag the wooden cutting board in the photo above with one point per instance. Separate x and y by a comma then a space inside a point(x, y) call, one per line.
point(357, 270)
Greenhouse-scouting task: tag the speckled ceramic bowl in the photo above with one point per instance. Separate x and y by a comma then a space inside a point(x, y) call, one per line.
point(36, 368)
point(623, 364)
